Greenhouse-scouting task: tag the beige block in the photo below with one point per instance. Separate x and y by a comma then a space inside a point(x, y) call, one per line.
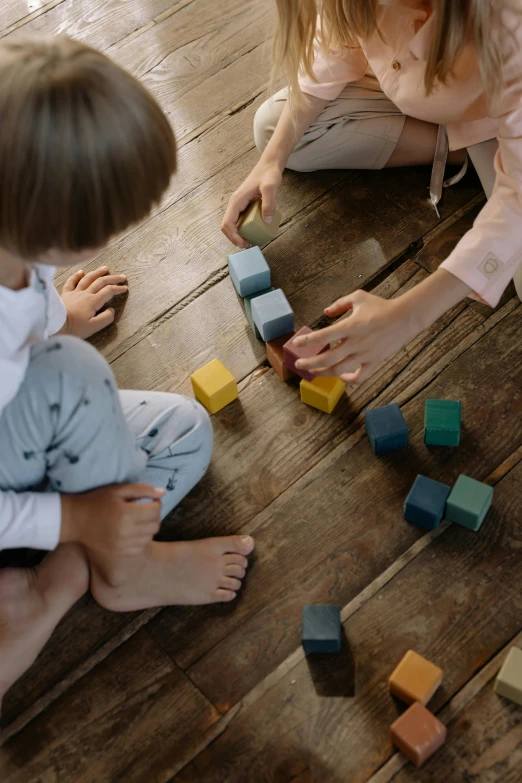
point(252, 227)
point(509, 678)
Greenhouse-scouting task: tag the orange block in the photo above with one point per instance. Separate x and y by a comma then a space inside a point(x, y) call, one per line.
point(415, 679)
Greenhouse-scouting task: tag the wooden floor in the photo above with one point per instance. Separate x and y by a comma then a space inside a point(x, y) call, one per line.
point(225, 695)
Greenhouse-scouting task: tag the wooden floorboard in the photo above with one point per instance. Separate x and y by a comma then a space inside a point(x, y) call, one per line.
point(225, 693)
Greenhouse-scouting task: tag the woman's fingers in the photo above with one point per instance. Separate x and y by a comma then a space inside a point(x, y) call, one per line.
point(339, 331)
point(327, 359)
point(237, 204)
point(72, 281)
point(340, 306)
point(359, 376)
point(101, 282)
point(268, 201)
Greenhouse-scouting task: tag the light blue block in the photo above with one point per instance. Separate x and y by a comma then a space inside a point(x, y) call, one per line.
point(248, 309)
point(272, 315)
point(249, 271)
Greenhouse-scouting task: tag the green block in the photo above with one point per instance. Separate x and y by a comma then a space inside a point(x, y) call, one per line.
point(469, 502)
point(248, 309)
point(442, 423)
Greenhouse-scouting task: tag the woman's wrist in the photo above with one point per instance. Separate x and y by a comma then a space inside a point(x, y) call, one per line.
point(423, 305)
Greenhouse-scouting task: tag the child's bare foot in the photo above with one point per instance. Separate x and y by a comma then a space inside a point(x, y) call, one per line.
point(32, 602)
point(186, 572)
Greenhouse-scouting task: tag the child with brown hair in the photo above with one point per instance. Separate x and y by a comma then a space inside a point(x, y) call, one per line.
point(86, 471)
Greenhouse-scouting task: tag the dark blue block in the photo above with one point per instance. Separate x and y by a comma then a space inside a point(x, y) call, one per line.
point(321, 629)
point(426, 502)
point(386, 428)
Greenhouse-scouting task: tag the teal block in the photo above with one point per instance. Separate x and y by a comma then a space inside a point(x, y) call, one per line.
point(469, 502)
point(248, 310)
point(442, 423)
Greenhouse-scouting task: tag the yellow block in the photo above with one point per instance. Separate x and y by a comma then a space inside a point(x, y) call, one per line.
point(214, 386)
point(253, 228)
point(322, 393)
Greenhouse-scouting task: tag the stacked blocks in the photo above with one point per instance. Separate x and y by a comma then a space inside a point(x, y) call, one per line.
point(293, 353)
point(322, 393)
point(276, 357)
point(509, 678)
point(321, 629)
point(249, 271)
point(469, 502)
point(272, 315)
point(248, 309)
point(214, 386)
point(418, 734)
point(253, 228)
point(426, 502)
point(386, 428)
point(415, 679)
point(442, 423)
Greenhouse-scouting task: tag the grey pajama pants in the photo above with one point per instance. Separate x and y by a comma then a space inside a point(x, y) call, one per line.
point(70, 430)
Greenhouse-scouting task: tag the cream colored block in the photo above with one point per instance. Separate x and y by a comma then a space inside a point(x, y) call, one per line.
point(253, 228)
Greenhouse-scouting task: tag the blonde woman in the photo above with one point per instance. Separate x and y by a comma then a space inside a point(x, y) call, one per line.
point(381, 83)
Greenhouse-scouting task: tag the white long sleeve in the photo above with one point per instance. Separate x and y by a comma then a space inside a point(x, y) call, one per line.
point(30, 519)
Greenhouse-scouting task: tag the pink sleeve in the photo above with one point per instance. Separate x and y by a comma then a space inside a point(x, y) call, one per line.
point(333, 70)
point(487, 257)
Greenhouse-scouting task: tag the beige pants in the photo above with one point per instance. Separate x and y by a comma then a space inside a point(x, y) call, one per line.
point(359, 130)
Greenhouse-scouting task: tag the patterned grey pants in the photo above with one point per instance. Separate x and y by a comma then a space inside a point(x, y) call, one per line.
point(70, 429)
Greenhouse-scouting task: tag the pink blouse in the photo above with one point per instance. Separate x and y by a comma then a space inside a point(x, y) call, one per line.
point(487, 257)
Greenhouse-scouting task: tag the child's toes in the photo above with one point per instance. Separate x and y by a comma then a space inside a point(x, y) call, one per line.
point(223, 596)
point(234, 570)
point(230, 583)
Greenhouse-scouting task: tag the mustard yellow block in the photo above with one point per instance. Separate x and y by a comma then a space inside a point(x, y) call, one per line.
point(322, 393)
point(214, 386)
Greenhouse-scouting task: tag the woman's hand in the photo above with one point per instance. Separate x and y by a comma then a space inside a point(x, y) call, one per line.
point(84, 295)
point(375, 329)
point(262, 182)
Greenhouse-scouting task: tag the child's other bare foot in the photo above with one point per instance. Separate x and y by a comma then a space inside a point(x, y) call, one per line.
point(182, 573)
point(32, 602)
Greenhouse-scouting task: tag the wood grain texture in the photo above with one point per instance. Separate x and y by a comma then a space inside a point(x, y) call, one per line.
point(454, 603)
point(129, 719)
point(264, 624)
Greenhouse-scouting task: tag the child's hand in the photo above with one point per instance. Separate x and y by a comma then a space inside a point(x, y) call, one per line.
point(262, 182)
point(84, 295)
point(110, 520)
point(375, 330)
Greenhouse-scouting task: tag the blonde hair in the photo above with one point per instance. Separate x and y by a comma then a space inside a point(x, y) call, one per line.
point(85, 150)
point(344, 22)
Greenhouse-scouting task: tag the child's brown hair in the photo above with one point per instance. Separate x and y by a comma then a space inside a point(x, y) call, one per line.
point(85, 150)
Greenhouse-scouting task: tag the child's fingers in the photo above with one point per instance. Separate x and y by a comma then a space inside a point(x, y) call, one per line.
point(102, 320)
point(107, 293)
point(72, 281)
point(102, 282)
point(90, 277)
point(139, 491)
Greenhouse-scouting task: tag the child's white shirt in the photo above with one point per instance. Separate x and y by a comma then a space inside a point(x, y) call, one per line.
point(27, 317)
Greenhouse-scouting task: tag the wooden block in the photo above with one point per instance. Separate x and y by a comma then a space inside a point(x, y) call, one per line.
point(249, 271)
point(253, 228)
point(321, 629)
point(509, 678)
point(248, 309)
point(426, 502)
point(415, 679)
point(386, 428)
point(293, 353)
point(469, 502)
point(442, 422)
point(417, 734)
point(214, 386)
point(276, 357)
point(272, 315)
point(322, 393)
